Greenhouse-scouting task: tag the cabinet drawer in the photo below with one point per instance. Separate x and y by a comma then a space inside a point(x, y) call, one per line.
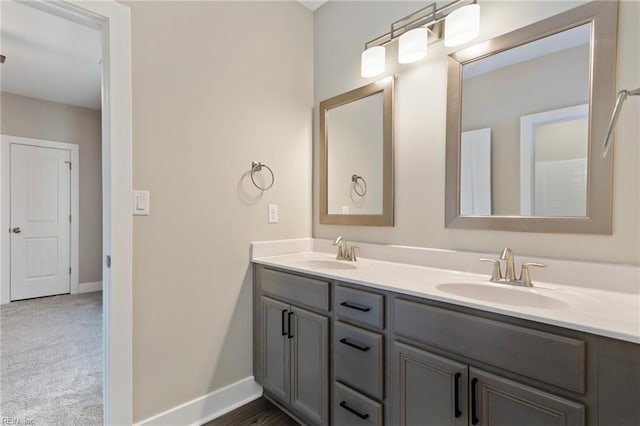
point(302, 290)
point(361, 306)
point(552, 359)
point(358, 359)
point(353, 409)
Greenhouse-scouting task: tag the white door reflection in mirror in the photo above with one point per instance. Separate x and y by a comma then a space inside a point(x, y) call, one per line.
point(475, 172)
point(553, 162)
point(354, 147)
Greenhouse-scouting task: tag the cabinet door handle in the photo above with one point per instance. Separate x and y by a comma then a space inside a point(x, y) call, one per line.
point(284, 332)
point(344, 405)
point(456, 395)
point(355, 306)
point(474, 402)
point(289, 334)
point(355, 345)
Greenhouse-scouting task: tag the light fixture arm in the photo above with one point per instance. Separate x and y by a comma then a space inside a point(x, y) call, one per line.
point(429, 17)
point(622, 96)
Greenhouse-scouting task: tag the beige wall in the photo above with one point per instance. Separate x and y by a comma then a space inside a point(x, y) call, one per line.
point(340, 31)
point(215, 86)
point(40, 119)
point(499, 98)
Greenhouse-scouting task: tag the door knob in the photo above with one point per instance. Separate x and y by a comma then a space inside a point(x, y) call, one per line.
point(16, 230)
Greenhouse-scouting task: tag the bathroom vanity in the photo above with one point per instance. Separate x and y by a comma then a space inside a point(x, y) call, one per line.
point(330, 348)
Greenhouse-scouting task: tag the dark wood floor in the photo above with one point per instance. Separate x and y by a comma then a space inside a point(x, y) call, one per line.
point(259, 412)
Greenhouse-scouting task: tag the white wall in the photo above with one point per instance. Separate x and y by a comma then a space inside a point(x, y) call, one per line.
point(215, 86)
point(340, 31)
point(40, 119)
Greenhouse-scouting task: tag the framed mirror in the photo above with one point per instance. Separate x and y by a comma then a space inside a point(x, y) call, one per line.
point(356, 156)
point(527, 113)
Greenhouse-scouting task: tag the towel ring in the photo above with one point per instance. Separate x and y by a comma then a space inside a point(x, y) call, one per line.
point(355, 179)
point(257, 166)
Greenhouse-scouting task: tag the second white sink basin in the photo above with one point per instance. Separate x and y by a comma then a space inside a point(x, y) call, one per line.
point(504, 294)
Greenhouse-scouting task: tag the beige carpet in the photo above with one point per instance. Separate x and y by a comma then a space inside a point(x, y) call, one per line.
point(51, 360)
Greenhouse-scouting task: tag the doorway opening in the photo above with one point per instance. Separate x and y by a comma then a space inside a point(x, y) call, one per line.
point(103, 318)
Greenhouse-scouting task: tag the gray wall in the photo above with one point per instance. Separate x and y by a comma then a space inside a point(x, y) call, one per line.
point(215, 86)
point(40, 119)
point(340, 31)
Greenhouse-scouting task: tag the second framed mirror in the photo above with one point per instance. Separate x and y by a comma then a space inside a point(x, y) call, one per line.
point(356, 156)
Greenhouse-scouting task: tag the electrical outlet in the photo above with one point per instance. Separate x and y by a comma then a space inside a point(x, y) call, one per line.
point(273, 213)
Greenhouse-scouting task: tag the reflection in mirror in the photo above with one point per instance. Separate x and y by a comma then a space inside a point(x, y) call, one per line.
point(356, 156)
point(354, 147)
point(526, 112)
point(524, 129)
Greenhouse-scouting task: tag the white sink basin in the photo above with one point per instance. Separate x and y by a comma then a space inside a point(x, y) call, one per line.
point(504, 294)
point(326, 264)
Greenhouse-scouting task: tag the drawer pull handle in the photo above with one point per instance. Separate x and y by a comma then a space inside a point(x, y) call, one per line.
point(474, 402)
point(456, 396)
point(344, 405)
point(355, 306)
point(289, 334)
point(355, 345)
point(284, 332)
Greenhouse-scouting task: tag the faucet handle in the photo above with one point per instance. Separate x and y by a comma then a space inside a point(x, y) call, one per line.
point(496, 275)
point(353, 252)
point(525, 276)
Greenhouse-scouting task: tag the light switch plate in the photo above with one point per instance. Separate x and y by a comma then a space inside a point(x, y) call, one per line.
point(141, 203)
point(273, 213)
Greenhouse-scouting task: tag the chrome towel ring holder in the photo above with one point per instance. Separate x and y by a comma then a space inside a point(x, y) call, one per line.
point(257, 166)
point(355, 179)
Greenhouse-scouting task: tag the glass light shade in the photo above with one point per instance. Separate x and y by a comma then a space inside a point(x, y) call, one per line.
point(412, 46)
point(372, 61)
point(462, 25)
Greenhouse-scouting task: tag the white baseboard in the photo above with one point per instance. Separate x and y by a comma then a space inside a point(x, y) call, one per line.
point(208, 407)
point(89, 287)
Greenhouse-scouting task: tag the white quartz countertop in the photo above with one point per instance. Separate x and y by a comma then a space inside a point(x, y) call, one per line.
point(597, 311)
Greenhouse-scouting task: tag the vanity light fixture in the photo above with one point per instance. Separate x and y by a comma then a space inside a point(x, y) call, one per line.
point(412, 45)
point(462, 25)
point(458, 20)
point(373, 61)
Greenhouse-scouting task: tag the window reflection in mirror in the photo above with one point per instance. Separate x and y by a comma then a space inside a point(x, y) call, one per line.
point(524, 141)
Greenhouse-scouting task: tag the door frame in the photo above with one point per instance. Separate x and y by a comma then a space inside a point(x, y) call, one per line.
point(5, 252)
point(113, 19)
point(528, 124)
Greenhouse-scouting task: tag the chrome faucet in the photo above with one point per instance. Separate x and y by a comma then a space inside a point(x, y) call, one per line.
point(510, 276)
point(344, 251)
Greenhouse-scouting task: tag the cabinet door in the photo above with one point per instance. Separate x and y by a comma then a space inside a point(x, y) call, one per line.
point(431, 389)
point(275, 348)
point(310, 366)
point(498, 401)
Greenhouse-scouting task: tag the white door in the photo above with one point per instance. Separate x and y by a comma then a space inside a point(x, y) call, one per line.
point(475, 172)
point(40, 221)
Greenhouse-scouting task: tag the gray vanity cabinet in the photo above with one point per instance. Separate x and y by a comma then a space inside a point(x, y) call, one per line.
point(291, 343)
point(431, 390)
point(329, 352)
point(497, 401)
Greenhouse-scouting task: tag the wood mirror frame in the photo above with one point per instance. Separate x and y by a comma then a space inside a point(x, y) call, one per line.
point(602, 15)
point(386, 87)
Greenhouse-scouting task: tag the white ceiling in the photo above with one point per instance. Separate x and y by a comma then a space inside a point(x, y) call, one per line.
point(49, 57)
point(312, 4)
